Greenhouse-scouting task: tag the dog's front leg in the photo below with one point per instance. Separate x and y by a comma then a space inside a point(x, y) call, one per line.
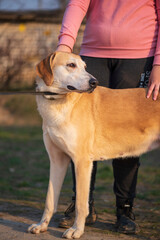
point(83, 175)
point(58, 165)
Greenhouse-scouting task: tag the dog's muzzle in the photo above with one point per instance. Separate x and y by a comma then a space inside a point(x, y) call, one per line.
point(93, 82)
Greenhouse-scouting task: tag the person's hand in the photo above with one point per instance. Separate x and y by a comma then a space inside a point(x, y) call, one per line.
point(63, 48)
point(154, 82)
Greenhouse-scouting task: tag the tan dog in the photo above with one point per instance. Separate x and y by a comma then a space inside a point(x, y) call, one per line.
point(85, 127)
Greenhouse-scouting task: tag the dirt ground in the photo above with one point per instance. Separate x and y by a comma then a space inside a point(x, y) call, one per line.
point(15, 227)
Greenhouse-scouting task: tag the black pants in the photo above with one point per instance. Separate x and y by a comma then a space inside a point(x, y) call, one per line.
point(119, 74)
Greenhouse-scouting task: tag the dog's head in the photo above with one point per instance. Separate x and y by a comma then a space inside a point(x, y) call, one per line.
point(64, 72)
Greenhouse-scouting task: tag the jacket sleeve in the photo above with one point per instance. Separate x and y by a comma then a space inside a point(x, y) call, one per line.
point(73, 16)
point(157, 53)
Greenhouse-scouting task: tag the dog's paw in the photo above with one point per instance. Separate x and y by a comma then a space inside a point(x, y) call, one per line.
point(72, 233)
point(39, 227)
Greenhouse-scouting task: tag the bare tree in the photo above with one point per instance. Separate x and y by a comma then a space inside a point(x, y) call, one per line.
point(10, 69)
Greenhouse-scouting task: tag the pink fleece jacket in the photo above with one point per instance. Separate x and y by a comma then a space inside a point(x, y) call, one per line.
point(114, 29)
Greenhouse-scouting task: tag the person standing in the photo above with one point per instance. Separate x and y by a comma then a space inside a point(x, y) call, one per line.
point(121, 47)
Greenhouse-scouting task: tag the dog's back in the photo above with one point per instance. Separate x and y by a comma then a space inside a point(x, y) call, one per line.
point(118, 123)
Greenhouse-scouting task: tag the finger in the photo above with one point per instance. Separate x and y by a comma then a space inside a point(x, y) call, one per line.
point(156, 92)
point(150, 90)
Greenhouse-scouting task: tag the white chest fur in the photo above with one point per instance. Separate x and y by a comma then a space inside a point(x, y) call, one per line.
point(56, 122)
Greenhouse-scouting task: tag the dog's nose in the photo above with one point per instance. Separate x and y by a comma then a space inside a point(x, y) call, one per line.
point(93, 82)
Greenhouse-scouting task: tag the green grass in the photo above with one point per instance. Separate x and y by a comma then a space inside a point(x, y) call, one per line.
point(20, 150)
point(24, 167)
point(24, 177)
point(105, 172)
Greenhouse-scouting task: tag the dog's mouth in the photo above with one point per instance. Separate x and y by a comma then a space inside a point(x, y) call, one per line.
point(89, 90)
point(93, 82)
point(73, 89)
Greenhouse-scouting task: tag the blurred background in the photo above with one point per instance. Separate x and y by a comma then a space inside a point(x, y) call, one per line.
point(29, 31)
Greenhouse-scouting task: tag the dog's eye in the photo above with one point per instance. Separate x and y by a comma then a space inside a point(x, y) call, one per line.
point(71, 65)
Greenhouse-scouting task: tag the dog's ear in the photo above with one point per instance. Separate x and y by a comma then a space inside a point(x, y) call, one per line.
point(44, 69)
